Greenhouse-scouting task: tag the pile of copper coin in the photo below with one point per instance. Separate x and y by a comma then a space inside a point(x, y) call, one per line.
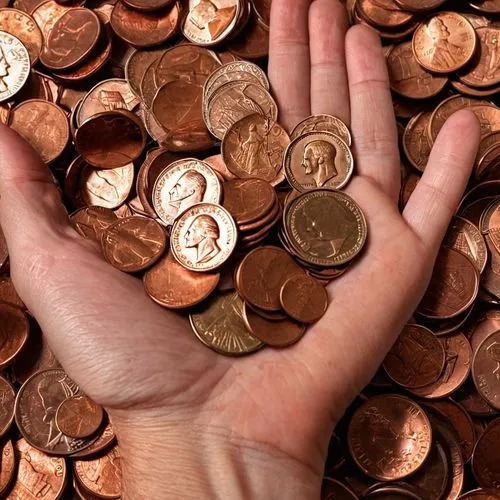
point(157, 120)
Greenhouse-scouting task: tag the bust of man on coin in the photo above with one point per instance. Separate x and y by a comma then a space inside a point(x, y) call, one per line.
point(319, 161)
point(203, 235)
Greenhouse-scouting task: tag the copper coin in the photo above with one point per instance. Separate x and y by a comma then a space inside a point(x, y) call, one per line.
point(276, 333)
point(383, 13)
point(203, 237)
point(487, 457)
point(7, 397)
point(24, 27)
point(416, 359)
point(105, 439)
point(90, 222)
point(145, 29)
point(37, 473)
point(416, 142)
point(469, 397)
point(8, 293)
point(303, 298)
point(381, 428)
point(101, 476)
point(86, 185)
point(43, 124)
point(248, 200)
point(392, 492)
point(484, 326)
point(261, 275)
point(235, 100)
point(486, 369)
point(322, 123)
point(453, 288)
point(458, 361)
point(181, 185)
point(175, 287)
point(138, 62)
point(71, 40)
point(7, 465)
point(35, 413)
point(15, 65)
point(262, 9)
point(79, 417)
point(133, 244)
point(107, 95)
point(318, 160)
point(46, 14)
point(211, 22)
point(473, 211)
point(327, 228)
point(252, 42)
point(487, 166)
point(488, 116)
point(331, 489)
point(407, 76)
point(419, 5)
point(465, 237)
point(111, 139)
point(481, 494)
point(490, 225)
point(445, 43)
point(220, 326)
point(148, 5)
point(254, 147)
point(190, 136)
point(218, 165)
point(487, 6)
point(14, 327)
point(474, 92)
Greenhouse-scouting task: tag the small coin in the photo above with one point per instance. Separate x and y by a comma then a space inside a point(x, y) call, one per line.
point(416, 359)
point(326, 228)
point(416, 142)
point(486, 369)
point(111, 139)
point(252, 42)
point(71, 39)
point(79, 417)
point(175, 287)
point(318, 160)
point(487, 457)
point(322, 123)
point(304, 299)
point(453, 288)
point(105, 439)
point(384, 14)
point(203, 237)
point(7, 397)
point(181, 185)
point(220, 326)
point(381, 428)
point(43, 124)
point(14, 328)
point(90, 222)
point(445, 42)
point(133, 244)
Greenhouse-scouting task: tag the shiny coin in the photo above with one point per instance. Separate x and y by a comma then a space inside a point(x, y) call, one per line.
point(79, 417)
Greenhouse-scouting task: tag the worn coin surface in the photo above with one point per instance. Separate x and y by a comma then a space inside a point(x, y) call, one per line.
point(14, 328)
point(79, 417)
point(486, 369)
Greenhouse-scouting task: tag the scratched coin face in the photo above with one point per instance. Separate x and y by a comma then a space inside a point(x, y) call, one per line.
point(181, 185)
point(203, 237)
point(36, 405)
point(220, 326)
point(486, 369)
point(14, 65)
point(381, 428)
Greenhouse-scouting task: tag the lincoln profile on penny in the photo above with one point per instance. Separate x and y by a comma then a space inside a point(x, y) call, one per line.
point(203, 234)
point(319, 162)
point(188, 190)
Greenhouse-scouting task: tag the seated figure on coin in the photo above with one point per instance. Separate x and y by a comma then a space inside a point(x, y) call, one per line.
point(203, 235)
point(444, 51)
point(319, 162)
point(248, 154)
point(208, 15)
point(188, 190)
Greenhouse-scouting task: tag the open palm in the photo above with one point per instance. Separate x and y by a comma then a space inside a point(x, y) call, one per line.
point(240, 424)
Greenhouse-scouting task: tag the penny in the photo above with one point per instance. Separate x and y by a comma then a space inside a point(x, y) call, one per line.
point(419, 5)
point(71, 40)
point(488, 116)
point(481, 494)
point(262, 9)
point(275, 333)
point(453, 288)
point(220, 326)
point(9, 294)
point(101, 476)
point(24, 27)
point(79, 417)
point(322, 123)
point(37, 473)
point(105, 439)
point(486, 369)
point(474, 211)
point(486, 325)
point(107, 95)
point(474, 92)
point(252, 230)
point(383, 13)
point(416, 359)
point(326, 228)
point(43, 124)
point(148, 5)
point(35, 413)
point(407, 76)
point(111, 139)
point(209, 22)
point(183, 184)
point(381, 427)
point(90, 222)
point(175, 287)
point(234, 101)
point(469, 397)
point(46, 14)
point(486, 457)
point(145, 29)
point(7, 465)
point(444, 43)
point(318, 160)
point(415, 141)
point(14, 328)
point(138, 62)
point(203, 237)
point(457, 367)
point(133, 244)
point(465, 237)
point(304, 299)
point(7, 397)
point(487, 166)
point(262, 273)
point(487, 6)
point(252, 42)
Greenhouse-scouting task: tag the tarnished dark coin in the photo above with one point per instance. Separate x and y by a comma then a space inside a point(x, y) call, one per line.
point(486, 369)
point(486, 457)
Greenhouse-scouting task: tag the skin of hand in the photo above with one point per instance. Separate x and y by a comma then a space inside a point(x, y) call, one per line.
point(192, 423)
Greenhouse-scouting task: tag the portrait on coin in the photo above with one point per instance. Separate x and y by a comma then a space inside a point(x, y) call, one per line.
point(202, 235)
point(444, 53)
point(189, 189)
point(319, 161)
point(213, 16)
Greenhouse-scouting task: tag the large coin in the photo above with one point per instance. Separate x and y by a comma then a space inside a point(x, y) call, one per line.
point(14, 65)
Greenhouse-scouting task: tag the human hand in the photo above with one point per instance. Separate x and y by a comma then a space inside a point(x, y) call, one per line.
point(190, 422)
